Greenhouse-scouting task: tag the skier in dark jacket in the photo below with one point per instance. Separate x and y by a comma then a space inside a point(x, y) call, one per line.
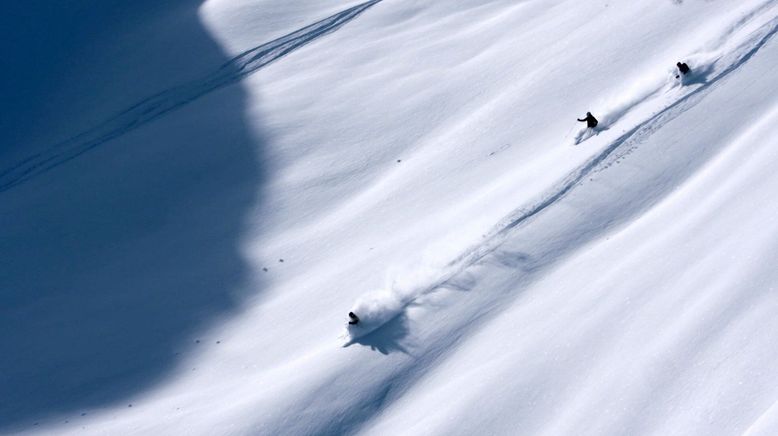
point(354, 318)
point(591, 122)
point(683, 68)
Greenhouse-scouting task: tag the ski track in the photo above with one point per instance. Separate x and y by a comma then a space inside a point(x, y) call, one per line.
point(628, 140)
point(404, 376)
point(157, 105)
point(391, 385)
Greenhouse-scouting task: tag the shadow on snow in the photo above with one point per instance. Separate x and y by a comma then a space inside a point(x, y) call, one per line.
point(116, 260)
point(386, 339)
point(113, 262)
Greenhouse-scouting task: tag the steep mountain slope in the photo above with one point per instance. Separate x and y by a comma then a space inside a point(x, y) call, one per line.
point(193, 248)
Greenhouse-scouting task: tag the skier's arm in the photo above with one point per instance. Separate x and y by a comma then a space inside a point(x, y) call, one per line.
point(581, 120)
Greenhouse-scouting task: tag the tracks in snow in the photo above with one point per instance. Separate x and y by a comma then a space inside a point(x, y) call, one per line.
point(157, 105)
point(408, 372)
point(721, 68)
point(717, 70)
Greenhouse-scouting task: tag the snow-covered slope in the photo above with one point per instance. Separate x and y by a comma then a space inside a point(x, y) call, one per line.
point(186, 230)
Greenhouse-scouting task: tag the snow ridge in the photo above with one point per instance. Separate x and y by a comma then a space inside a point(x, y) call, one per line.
point(159, 104)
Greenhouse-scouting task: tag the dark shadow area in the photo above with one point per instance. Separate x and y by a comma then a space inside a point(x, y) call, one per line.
point(112, 263)
point(152, 107)
point(387, 338)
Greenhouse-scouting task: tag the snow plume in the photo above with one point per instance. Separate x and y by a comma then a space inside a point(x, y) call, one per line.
point(404, 287)
point(376, 308)
point(408, 283)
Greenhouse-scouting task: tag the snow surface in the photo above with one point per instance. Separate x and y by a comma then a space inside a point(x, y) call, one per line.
point(193, 195)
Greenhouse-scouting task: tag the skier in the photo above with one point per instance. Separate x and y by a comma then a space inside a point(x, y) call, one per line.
point(354, 318)
point(683, 68)
point(591, 122)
